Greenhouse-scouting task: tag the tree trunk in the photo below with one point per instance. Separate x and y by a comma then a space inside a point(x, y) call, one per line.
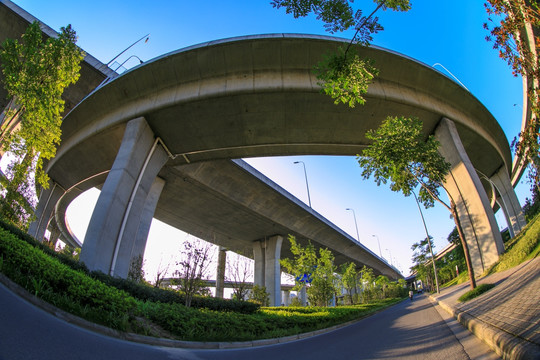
point(470, 269)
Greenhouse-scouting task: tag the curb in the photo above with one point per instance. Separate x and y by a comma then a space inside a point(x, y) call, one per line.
point(506, 345)
point(153, 341)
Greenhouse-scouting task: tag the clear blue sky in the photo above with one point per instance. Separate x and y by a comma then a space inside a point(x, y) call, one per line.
point(446, 32)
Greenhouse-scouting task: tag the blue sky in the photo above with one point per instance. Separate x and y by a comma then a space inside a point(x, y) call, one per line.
point(445, 32)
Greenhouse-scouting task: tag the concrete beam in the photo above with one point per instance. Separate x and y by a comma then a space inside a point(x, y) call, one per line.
point(465, 188)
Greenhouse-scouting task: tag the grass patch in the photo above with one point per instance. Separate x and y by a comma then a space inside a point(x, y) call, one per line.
point(521, 248)
point(479, 290)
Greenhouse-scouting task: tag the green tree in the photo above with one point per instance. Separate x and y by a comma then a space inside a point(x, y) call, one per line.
point(421, 259)
point(315, 271)
point(512, 26)
point(343, 74)
point(368, 281)
point(349, 279)
point(399, 153)
point(259, 295)
point(36, 72)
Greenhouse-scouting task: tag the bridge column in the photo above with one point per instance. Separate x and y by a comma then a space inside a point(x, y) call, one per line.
point(464, 186)
point(286, 297)
point(117, 215)
point(509, 202)
point(267, 272)
point(142, 229)
point(45, 210)
point(220, 275)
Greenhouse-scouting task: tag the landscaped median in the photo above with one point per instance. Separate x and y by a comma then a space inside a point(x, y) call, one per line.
point(145, 310)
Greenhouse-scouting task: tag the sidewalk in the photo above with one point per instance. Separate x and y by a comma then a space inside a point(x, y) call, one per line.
point(506, 317)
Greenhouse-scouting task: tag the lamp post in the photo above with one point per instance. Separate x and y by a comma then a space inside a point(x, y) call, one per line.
point(429, 243)
point(355, 224)
point(147, 36)
point(380, 252)
point(125, 61)
point(307, 185)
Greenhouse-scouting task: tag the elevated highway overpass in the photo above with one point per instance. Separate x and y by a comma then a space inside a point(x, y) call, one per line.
point(172, 125)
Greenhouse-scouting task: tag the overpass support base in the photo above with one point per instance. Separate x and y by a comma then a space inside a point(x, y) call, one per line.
point(465, 188)
point(509, 202)
point(267, 254)
point(119, 212)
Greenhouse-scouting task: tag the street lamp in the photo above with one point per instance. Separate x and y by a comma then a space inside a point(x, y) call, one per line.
point(147, 36)
point(307, 185)
point(380, 252)
point(429, 243)
point(355, 224)
point(125, 61)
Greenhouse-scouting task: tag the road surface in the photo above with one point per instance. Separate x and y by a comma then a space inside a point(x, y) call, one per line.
point(409, 330)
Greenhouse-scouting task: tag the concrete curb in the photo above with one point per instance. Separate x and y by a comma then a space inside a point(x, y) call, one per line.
point(506, 345)
point(149, 340)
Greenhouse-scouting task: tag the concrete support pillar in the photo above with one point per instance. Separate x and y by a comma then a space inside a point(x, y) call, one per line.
point(272, 271)
point(220, 275)
point(133, 242)
point(508, 201)
point(267, 270)
point(475, 213)
point(258, 266)
point(55, 232)
point(302, 295)
point(286, 298)
point(45, 210)
point(114, 223)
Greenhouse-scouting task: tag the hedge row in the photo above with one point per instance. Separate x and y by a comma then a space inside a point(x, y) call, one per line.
point(139, 291)
point(64, 287)
point(148, 293)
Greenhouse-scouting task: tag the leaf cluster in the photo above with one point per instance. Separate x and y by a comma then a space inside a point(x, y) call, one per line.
point(339, 15)
point(400, 154)
point(345, 77)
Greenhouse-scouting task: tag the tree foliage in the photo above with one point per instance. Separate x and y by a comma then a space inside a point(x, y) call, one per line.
point(344, 75)
point(36, 72)
point(400, 154)
point(349, 279)
point(512, 25)
point(314, 270)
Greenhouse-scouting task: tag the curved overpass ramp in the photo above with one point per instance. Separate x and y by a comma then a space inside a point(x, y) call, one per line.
point(183, 115)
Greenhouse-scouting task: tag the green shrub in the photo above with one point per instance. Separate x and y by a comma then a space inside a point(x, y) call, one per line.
point(479, 290)
point(57, 283)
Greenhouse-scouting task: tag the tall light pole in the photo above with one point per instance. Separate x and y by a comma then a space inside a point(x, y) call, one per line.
point(380, 252)
point(305, 175)
point(429, 243)
point(355, 223)
point(147, 36)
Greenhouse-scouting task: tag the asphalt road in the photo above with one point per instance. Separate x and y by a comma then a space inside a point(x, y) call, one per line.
point(409, 330)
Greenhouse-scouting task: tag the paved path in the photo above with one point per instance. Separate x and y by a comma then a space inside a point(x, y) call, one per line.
point(508, 316)
point(409, 330)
